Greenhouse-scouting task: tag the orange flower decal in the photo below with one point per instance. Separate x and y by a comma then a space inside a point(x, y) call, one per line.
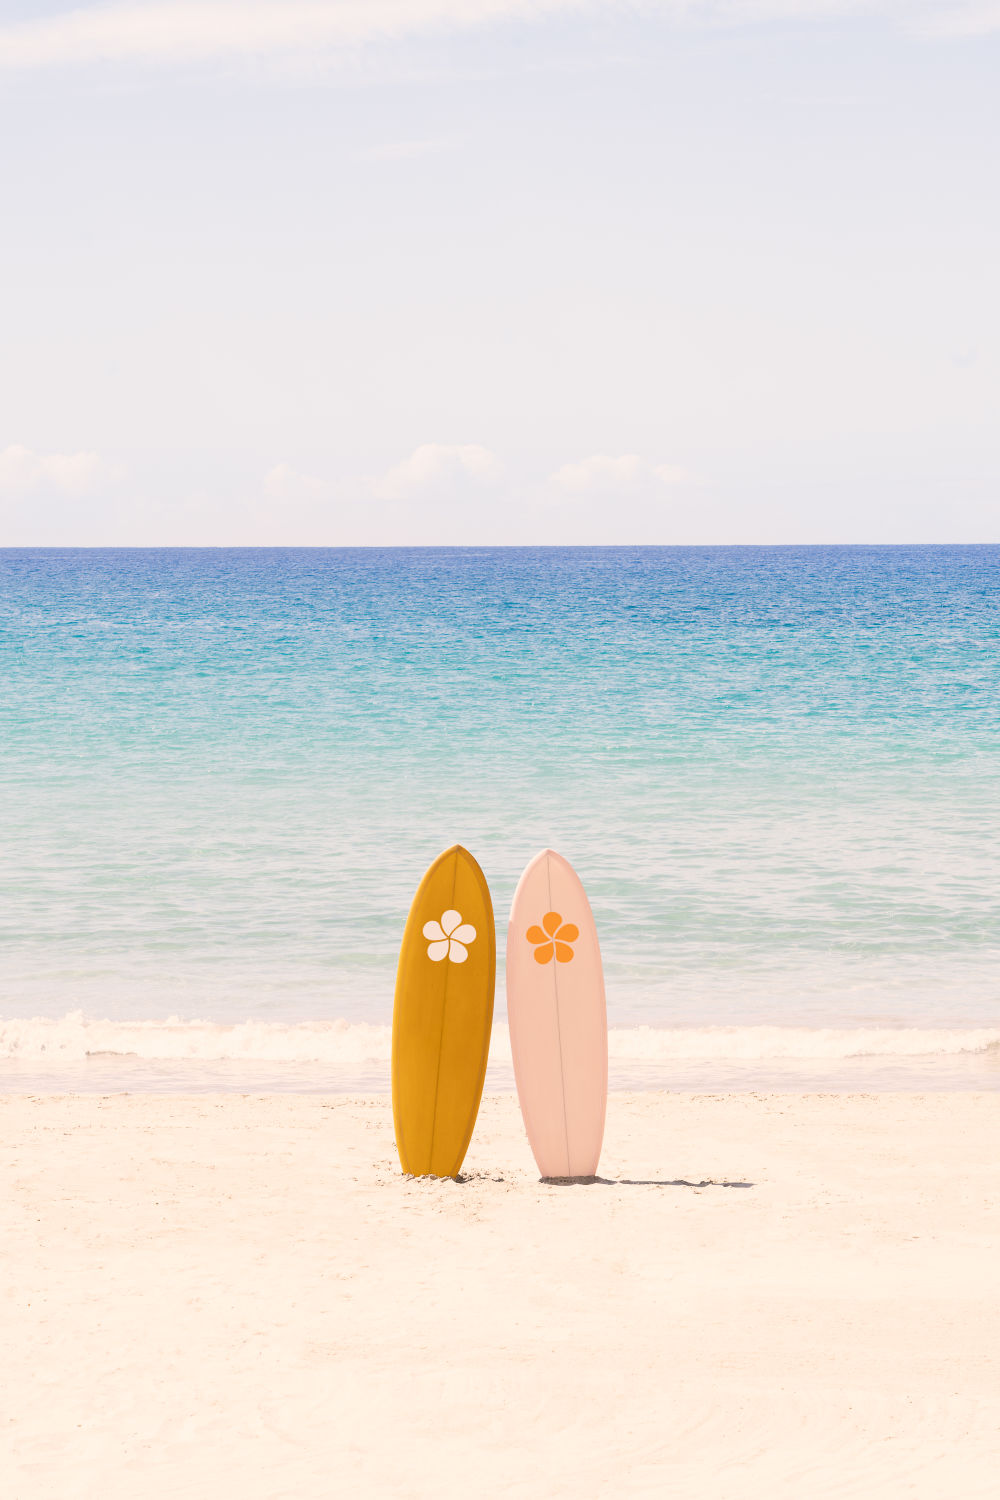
point(553, 937)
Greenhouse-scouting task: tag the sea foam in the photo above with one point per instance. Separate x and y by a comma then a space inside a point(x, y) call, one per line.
point(342, 1044)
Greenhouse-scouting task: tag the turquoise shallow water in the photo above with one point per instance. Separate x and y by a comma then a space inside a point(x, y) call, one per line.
point(776, 769)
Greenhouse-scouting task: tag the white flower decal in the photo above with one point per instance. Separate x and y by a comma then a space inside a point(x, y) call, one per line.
point(449, 938)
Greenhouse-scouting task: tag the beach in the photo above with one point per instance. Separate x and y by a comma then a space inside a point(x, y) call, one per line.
point(499, 609)
point(760, 1295)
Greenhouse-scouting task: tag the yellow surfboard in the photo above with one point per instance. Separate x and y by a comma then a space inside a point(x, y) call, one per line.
point(443, 1015)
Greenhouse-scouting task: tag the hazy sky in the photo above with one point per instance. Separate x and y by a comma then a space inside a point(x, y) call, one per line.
point(499, 271)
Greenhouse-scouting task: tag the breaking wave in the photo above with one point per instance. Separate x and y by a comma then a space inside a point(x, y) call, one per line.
point(347, 1045)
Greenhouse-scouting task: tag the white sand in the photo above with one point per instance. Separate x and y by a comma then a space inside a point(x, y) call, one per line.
point(221, 1296)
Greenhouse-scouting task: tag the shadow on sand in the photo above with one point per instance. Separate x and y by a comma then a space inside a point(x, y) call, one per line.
point(660, 1182)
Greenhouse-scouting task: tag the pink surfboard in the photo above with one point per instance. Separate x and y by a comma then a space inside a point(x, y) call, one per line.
point(557, 1018)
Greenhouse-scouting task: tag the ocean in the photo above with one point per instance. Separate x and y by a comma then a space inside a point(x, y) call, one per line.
point(776, 769)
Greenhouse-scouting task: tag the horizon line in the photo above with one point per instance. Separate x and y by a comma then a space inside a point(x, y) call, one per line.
point(465, 546)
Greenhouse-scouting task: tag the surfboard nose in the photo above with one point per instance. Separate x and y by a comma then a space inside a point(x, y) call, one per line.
point(455, 849)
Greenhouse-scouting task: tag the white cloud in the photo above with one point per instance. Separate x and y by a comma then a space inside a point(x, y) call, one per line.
point(184, 31)
point(962, 19)
point(284, 482)
point(175, 31)
point(438, 466)
point(939, 16)
point(674, 474)
point(604, 474)
point(599, 472)
point(24, 472)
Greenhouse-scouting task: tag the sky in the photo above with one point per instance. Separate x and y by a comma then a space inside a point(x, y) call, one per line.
point(478, 272)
